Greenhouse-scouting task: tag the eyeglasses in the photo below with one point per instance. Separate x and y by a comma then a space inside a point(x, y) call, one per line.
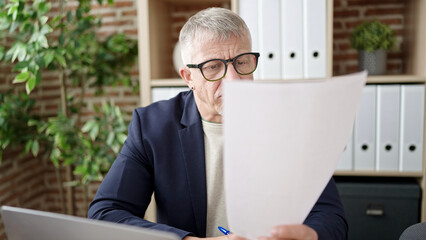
point(215, 69)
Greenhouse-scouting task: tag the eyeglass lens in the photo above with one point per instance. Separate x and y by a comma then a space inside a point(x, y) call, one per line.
point(216, 69)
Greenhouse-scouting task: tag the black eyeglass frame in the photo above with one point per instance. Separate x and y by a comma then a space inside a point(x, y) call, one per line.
point(200, 66)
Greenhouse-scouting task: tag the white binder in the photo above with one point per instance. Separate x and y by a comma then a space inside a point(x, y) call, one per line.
point(164, 93)
point(346, 161)
point(314, 38)
point(270, 39)
point(292, 39)
point(387, 141)
point(412, 128)
point(365, 131)
point(249, 11)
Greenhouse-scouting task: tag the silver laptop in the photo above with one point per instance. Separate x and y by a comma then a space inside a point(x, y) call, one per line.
point(25, 224)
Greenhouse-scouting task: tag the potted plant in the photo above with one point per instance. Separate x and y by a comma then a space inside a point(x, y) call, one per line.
point(372, 39)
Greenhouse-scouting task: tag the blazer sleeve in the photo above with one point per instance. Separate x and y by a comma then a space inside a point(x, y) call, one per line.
point(126, 191)
point(327, 217)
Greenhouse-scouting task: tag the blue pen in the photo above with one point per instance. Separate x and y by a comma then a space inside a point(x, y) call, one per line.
point(224, 231)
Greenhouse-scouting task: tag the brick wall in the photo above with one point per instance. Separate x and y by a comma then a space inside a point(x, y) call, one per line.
point(22, 182)
point(350, 13)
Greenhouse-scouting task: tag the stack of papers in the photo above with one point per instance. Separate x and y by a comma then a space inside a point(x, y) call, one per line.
point(282, 142)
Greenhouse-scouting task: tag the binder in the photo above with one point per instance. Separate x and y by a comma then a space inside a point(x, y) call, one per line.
point(388, 118)
point(412, 128)
point(249, 12)
point(346, 161)
point(292, 39)
point(270, 39)
point(314, 38)
point(365, 131)
point(164, 93)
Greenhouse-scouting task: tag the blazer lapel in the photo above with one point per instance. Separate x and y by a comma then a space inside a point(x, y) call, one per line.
point(192, 141)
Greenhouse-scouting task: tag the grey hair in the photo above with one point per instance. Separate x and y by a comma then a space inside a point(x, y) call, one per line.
point(211, 24)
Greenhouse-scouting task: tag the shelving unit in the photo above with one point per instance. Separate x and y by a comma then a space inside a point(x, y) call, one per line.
point(156, 67)
point(414, 58)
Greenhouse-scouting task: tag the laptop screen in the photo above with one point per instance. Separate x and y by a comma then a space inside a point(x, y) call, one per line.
point(28, 224)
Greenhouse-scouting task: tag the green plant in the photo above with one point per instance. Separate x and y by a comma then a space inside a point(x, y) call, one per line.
point(68, 45)
point(373, 35)
point(91, 149)
point(14, 119)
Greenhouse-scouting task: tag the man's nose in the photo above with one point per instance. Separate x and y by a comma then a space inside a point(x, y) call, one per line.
point(231, 73)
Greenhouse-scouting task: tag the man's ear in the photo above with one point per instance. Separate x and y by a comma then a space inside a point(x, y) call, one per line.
point(185, 74)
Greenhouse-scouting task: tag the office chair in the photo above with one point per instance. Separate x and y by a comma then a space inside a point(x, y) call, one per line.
point(414, 232)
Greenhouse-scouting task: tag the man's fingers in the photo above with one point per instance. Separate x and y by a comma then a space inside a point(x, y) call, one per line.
point(236, 237)
point(298, 231)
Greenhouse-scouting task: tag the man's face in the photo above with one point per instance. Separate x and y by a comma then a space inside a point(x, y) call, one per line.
point(208, 95)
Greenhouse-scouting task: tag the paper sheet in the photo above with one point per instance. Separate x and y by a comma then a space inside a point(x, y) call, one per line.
point(282, 142)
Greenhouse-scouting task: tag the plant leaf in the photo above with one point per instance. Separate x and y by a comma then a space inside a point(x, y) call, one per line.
point(35, 148)
point(28, 146)
point(1, 52)
point(48, 58)
point(43, 20)
point(61, 60)
point(110, 139)
point(94, 132)
point(30, 84)
point(20, 66)
point(88, 126)
point(43, 41)
point(22, 77)
point(122, 137)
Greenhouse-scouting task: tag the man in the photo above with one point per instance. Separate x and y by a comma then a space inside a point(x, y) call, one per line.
point(174, 147)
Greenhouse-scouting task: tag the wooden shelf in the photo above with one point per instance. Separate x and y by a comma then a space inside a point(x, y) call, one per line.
point(378, 174)
point(388, 79)
point(168, 82)
point(400, 79)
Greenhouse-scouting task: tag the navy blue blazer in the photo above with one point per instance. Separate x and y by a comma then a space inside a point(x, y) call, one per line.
point(164, 153)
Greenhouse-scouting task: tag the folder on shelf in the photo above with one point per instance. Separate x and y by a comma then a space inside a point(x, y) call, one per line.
point(164, 93)
point(412, 128)
point(292, 39)
point(346, 161)
point(269, 39)
point(388, 114)
point(314, 38)
point(365, 131)
point(249, 11)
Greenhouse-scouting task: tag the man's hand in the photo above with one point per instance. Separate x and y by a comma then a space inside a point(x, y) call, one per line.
point(281, 232)
point(212, 238)
point(227, 237)
point(297, 231)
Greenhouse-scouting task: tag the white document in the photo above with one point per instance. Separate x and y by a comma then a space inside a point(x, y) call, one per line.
point(365, 131)
point(292, 39)
point(315, 38)
point(282, 142)
point(249, 12)
point(412, 116)
point(388, 115)
point(346, 161)
point(269, 39)
point(164, 93)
